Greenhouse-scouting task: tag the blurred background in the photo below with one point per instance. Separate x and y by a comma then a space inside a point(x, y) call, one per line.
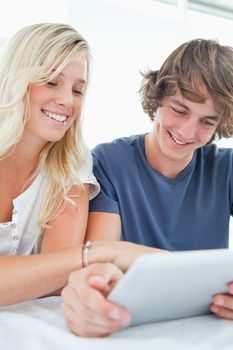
point(126, 37)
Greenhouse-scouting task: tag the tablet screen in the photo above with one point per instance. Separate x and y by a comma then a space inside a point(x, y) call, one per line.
point(160, 287)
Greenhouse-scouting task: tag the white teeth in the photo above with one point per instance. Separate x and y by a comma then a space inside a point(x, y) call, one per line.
point(178, 142)
point(57, 117)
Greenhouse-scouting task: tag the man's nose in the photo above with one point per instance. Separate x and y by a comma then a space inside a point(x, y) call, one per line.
point(188, 129)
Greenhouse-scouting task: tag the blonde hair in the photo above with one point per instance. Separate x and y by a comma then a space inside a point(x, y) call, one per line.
point(193, 65)
point(35, 55)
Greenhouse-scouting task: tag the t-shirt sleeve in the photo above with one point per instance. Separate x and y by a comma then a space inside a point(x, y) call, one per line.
point(231, 185)
point(86, 176)
point(106, 201)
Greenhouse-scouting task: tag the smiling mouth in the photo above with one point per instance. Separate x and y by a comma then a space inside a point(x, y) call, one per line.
point(57, 117)
point(178, 142)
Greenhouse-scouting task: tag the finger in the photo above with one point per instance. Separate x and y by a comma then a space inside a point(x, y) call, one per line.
point(103, 313)
point(108, 272)
point(98, 282)
point(230, 287)
point(83, 321)
point(99, 276)
point(87, 309)
point(224, 300)
point(84, 333)
point(222, 305)
point(80, 326)
point(83, 312)
point(104, 277)
point(83, 327)
point(221, 311)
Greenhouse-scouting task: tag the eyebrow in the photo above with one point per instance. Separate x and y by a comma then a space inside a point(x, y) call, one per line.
point(82, 81)
point(212, 117)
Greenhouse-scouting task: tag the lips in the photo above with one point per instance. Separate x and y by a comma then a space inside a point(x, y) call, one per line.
point(179, 142)
point(62, 118)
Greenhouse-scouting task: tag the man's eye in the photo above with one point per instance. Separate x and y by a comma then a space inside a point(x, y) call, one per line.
point(178, 111)
point(209, 123)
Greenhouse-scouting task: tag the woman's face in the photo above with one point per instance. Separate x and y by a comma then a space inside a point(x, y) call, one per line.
point(55, 105)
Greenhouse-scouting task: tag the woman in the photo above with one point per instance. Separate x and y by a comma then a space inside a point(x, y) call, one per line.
point(45, 169)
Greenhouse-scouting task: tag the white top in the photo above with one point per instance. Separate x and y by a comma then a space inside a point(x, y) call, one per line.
point(19, 236)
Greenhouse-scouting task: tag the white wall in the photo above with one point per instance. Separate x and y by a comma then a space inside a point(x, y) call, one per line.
point(127, 37)
point(123, 43)
point(15, 14)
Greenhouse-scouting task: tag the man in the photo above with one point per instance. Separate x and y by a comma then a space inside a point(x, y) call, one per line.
point(172, 188)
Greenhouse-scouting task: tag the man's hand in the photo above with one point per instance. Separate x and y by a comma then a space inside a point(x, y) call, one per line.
point(222, 304)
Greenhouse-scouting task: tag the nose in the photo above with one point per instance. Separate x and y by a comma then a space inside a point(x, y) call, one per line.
point(188, 129)
point(65, 97)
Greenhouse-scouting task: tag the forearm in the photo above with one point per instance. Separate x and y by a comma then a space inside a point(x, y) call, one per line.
point(120, 253)
point(27, 277)
point(33, 276)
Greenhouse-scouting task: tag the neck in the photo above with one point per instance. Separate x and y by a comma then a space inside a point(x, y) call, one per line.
point(25, 154)
point(167, 167)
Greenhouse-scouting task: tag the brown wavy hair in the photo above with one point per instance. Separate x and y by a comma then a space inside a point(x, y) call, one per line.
point(195, 67)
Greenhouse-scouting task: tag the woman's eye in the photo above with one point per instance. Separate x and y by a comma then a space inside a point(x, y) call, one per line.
point(51, 83)
point(78, 92)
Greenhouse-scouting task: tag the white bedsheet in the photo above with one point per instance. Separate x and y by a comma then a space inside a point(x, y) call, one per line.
point(39, 324)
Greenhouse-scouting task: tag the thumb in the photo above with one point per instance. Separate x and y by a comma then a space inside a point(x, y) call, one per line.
point(97, 281)
point(104, 277)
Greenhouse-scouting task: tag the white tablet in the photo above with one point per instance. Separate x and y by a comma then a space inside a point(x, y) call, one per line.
point(160, 287)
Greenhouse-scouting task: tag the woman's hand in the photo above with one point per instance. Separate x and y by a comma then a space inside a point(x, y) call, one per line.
point(87, 311)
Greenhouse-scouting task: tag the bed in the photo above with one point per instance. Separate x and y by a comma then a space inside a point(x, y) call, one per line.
point(39, 324)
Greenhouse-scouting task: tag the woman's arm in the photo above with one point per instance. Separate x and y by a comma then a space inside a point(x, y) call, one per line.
point(26, 277)
point(33, 276)
point(68, 229)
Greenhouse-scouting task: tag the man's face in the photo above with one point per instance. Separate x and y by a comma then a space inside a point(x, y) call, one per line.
point(181, 126)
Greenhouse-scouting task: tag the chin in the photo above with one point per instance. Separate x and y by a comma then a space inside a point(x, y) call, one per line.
point(54, 138)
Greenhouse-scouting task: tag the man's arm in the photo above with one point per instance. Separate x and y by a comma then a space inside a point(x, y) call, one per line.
point(103, 226)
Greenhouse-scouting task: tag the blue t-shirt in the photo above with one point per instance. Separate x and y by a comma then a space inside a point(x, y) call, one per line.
point(189, 212)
